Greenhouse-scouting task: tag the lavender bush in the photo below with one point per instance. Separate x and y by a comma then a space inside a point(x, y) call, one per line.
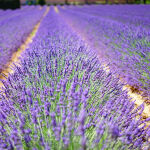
point(121, 36)
point(15, 26)
point(9, 14)
point(61, 98)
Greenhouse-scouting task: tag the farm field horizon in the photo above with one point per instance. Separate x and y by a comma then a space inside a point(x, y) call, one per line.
point(75, 77)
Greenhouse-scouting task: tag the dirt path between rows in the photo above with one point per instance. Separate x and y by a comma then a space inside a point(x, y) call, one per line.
point(56, 9)
point(15, 57)
point(137, 98)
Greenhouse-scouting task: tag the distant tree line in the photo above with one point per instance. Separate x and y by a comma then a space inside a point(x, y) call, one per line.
point(13, 4)
point(35, 2)
point(42, 2)
point(9, 4)
point(107, 1)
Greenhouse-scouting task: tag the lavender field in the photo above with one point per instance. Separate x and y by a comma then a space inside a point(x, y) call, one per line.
point(67, 91)
point(14, 29)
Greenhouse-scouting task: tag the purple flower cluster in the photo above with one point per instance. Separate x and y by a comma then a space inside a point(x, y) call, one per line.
point(15, 26)
point(121, 36)
point(61, 98)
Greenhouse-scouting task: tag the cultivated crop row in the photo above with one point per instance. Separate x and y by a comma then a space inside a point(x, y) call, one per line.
point(120, 35)
point(15, 26)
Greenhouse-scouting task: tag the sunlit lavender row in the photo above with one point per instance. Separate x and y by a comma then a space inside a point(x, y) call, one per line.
point(62, 99)
point(15, 26)
point(121, 36)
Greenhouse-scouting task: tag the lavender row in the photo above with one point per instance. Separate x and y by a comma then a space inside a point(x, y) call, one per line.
point(61, 98)
point(8, 14)
point(123, 44)
point(121, 13)
point(15, 29)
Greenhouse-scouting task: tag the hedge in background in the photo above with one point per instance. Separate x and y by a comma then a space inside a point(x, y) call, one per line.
point(9, 4)
point(41, 2)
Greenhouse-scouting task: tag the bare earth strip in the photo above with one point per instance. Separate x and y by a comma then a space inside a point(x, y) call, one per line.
point(137, 98)
point(56, 9)
point(15, 57)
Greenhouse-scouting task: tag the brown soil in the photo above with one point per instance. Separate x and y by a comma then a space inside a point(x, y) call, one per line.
point(56, 9)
